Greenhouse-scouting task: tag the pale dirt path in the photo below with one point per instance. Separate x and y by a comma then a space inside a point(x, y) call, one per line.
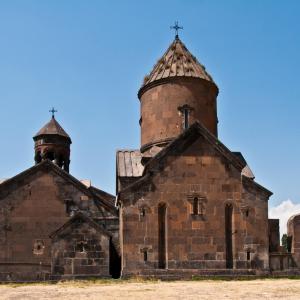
point(257, 289)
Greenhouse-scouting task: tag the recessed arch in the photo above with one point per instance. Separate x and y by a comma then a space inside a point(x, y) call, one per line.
point(228, 235)
point(162, 243)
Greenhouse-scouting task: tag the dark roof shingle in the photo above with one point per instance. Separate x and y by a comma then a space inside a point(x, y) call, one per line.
point(52, 127)
point(177, 61)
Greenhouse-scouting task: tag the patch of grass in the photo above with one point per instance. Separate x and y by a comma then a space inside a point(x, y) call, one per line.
point(20, 284)
point(85, 282)
point(100, 281)
point(243, 278)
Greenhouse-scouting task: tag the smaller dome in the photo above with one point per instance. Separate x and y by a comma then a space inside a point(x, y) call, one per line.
point(52, 128)
point(52, 143)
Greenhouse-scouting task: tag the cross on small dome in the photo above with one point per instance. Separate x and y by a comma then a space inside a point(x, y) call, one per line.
point(53, 111)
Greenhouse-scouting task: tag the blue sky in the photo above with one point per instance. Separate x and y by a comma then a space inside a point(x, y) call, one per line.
point(88, 59)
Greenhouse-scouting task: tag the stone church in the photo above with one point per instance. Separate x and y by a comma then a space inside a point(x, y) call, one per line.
point(52, 224)
point(185, 205)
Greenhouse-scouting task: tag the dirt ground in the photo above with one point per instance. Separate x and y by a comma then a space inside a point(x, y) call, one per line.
point(254, 289)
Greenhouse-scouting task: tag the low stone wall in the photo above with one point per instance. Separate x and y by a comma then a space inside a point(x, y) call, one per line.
point(280, 261)
point(12, 271)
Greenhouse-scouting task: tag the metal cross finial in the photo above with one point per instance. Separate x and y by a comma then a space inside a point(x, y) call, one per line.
point(53, 111)
point(176, 27)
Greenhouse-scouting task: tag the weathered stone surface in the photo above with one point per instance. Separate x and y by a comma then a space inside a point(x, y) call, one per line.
point(32, 206)
point(196, 243)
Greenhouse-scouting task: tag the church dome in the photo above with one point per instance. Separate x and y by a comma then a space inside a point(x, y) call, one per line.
point(177, 93)
point(52, 128)
point(53, 143)
point(177, 61)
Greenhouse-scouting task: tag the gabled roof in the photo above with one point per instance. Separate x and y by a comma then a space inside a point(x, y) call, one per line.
point(246, 171)
point(189, 136)
point(52, 128)
point(107, 200)
point(248, 182)
point(179, 145)
point(48, 165)
point(44, 165)
point(129, 163)
point(177, 61)
point(83, 217)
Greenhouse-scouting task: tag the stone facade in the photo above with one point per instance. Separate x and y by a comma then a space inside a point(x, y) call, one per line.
point(80, 248)
point(274, 238)
point(192, 206)
point(162, 109)
point(34, 204)
point(194, 234)
point(293, 233)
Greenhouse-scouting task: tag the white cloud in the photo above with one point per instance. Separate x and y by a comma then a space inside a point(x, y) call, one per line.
point(284, 211)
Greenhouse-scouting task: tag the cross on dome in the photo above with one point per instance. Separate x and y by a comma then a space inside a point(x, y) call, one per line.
point(176, 27)
point(53, 111)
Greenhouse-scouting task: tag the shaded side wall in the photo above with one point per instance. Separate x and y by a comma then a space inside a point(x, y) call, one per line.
point(80, 251)
point(293, 232)
point(274, 236)
point(29, 212)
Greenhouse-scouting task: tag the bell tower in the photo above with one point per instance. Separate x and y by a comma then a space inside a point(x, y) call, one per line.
point(53, 143)
point(176, 93)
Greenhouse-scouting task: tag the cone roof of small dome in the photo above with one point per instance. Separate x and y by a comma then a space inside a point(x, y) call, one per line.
point(177, 62)
point(52, 127)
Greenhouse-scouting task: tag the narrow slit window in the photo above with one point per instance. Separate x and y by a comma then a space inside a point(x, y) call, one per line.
point(145, 255)
point(80, 247)
point(143, 212)
point(185, 118)
point(248, 255)
point(196, 206)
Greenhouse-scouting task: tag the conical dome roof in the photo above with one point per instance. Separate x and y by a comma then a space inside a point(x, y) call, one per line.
point(177, 62)
point(52, 127)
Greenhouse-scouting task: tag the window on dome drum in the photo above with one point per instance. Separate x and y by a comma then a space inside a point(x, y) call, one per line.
point(185, 113)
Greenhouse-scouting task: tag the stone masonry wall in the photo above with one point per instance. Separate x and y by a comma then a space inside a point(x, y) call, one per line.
point(293, 232)
point(82, 251)
point(160, 108)
point(30, 211)
point(194, 241)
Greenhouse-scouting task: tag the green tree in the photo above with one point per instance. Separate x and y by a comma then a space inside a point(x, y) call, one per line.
point(284, 241)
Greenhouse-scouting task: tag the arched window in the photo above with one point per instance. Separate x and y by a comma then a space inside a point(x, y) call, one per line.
point(185, 113)
point(142, 212)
